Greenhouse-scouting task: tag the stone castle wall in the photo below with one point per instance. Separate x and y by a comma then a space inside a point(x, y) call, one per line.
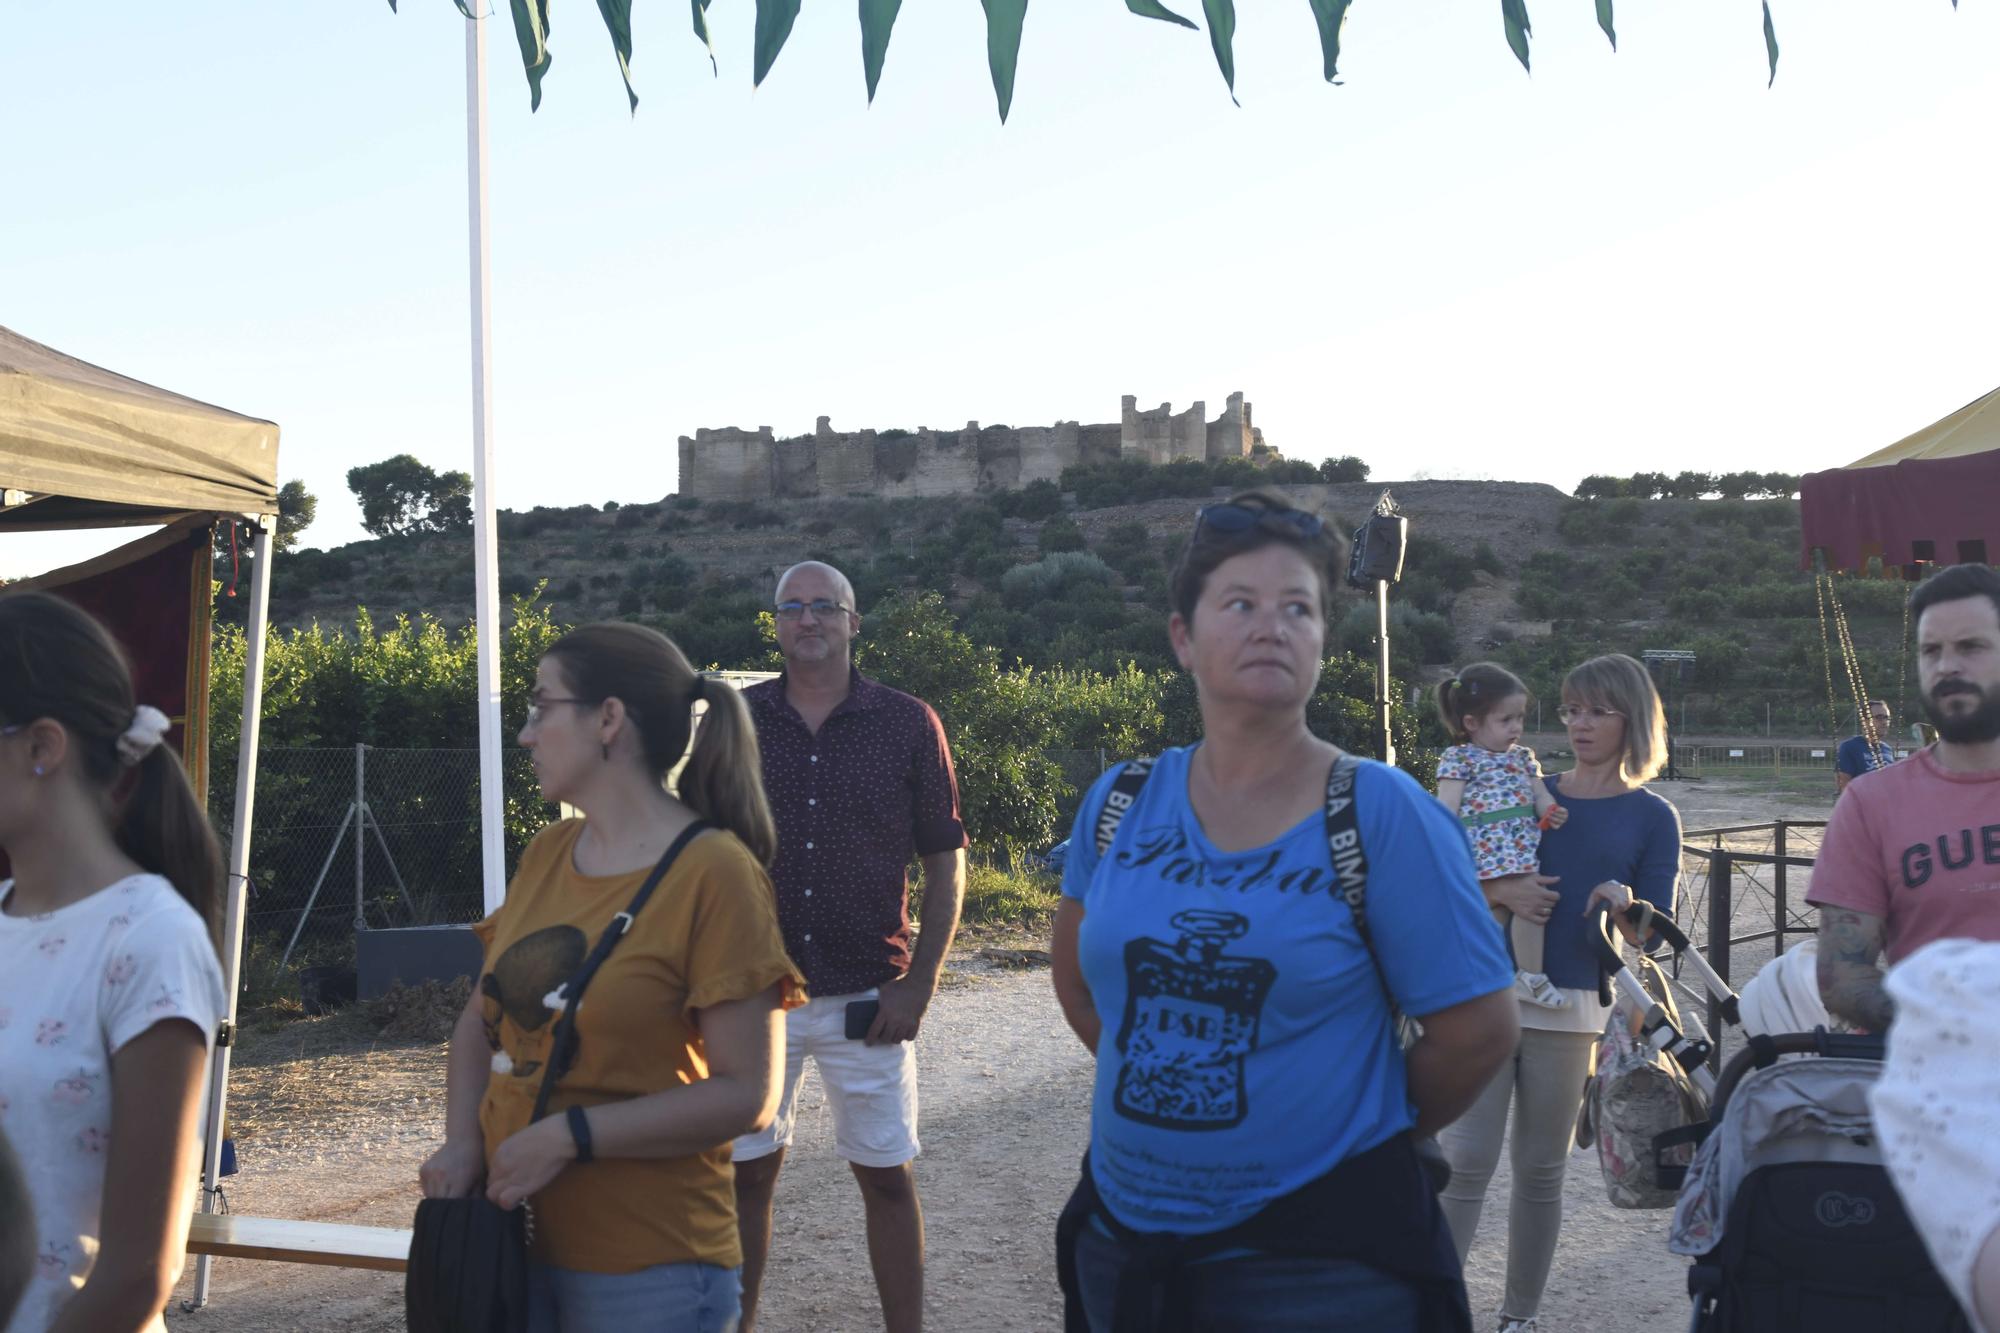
point(733, 464)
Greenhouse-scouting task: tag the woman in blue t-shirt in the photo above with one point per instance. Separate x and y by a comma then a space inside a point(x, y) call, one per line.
point(1251, 1162)
point(1620, 839)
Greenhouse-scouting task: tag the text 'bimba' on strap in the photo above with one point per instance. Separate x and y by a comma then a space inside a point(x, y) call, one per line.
point(1118, 802)
point(1350, 872)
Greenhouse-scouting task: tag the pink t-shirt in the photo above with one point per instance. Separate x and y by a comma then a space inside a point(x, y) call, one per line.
point(1919, 847)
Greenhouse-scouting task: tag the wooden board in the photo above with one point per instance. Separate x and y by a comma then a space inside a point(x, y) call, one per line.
point(336, 1244)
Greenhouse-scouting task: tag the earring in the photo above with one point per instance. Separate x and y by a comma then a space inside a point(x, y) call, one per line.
point(38, 770)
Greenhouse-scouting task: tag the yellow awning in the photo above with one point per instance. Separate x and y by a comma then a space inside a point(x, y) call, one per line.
point(1973, 429)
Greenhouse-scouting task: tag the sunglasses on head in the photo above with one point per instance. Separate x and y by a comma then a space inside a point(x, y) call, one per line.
point(1230, 519)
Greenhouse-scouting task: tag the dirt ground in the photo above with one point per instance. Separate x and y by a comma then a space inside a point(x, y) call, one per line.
point(332, 1123)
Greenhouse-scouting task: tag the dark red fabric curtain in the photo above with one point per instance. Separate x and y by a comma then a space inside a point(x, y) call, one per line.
point(1945, 510)
point(158, 608)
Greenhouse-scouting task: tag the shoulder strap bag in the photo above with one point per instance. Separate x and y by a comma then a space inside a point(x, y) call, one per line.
point(468, 1259)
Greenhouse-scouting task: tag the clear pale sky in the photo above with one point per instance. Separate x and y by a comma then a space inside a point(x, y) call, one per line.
point(1449, 267)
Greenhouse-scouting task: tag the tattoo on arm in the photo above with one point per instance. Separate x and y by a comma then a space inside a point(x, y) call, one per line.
point(1850, 977)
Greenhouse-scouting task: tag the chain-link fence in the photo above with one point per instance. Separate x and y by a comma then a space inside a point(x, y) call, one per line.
point(365, 838)
point(1742, 900)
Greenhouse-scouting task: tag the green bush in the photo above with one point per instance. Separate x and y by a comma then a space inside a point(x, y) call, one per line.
point(1060, 534)
point(1035, 501)
point(1047, 579)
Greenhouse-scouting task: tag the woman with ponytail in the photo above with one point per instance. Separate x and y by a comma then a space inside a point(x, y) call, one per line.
point(680, 1035)
point(110, 986)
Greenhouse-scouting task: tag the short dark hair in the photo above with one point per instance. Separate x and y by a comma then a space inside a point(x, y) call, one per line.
point(1207, 548)
point(1955, 584)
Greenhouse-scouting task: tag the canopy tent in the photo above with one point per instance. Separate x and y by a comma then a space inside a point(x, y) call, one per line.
point(84, 447)
point(1933, 497)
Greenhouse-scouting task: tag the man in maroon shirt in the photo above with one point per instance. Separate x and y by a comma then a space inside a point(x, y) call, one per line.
point(860, 779)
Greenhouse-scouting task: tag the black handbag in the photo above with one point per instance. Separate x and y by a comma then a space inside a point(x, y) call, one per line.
point(469, 1259)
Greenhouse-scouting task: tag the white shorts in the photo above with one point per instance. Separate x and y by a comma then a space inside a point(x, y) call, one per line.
point(871, 1089)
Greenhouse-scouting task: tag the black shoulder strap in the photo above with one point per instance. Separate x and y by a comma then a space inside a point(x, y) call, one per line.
point(1124, 793)
point(562, 1046)
point(1350, 872)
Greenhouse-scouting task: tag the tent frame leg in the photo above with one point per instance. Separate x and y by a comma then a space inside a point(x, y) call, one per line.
point(236, 894)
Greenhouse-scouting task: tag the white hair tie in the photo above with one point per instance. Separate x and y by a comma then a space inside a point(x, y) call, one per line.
point(148, 729)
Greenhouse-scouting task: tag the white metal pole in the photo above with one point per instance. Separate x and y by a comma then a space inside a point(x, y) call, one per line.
point(485, 554)
point(236, 889)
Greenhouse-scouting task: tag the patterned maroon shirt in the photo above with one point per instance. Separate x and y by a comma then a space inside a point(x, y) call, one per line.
point(853, 804)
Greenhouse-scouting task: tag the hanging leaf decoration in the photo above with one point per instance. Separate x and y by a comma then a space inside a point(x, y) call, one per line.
point(618, 20)
point(1004, 22)
point(1222, 36)
point(1152, 9)
point(774, 25)
point(1514, 13)
point(531, 27)
point(1771, 40)
point(701, 31)
point(1003, 46)
point(1331, 15)
point(877, 18)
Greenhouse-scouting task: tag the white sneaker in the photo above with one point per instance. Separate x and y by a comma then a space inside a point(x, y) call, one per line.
point(1536, 988)
point(1511, 1323)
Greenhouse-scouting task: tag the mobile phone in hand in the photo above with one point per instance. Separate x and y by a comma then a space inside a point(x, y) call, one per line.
point(861, 1017)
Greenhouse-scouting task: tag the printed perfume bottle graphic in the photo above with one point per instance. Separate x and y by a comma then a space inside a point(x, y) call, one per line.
point(1191, 1015)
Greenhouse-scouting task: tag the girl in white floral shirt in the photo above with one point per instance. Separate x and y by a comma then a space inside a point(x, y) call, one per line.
point(110, 987)
point(1493, 784)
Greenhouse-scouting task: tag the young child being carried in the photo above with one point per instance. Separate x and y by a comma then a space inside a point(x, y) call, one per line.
point(1494, 785)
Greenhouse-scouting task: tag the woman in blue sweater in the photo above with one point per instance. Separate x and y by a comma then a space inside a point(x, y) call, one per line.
point(1620, 840)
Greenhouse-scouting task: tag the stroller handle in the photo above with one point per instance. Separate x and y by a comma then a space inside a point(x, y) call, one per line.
point(1761, 1051)
point(1643, 915)
point(1662, 925)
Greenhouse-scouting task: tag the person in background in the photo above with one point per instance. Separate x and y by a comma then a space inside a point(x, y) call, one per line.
point(861, 783)
point(110, 985)
point(679, 1033)
point(1620, 841)
point(1912, 853)
point(1866, 752)
point(1253, 1162)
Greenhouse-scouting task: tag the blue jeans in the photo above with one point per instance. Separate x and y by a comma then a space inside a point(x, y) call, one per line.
point(1258, 1293)
point(669, 1298)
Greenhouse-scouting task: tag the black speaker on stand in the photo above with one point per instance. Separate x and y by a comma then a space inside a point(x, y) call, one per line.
point(1377, 562)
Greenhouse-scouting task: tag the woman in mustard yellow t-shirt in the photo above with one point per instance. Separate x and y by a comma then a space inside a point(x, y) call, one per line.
point(681, 1034)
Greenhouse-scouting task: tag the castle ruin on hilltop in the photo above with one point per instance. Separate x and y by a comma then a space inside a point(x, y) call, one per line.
point(733, 464)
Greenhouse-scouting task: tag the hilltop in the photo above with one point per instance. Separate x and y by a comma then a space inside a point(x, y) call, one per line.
point(1511, 570)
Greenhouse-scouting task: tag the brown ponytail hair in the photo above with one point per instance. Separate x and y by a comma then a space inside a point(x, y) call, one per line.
point(1474, 692)
point(642, 669)
point(58, 662)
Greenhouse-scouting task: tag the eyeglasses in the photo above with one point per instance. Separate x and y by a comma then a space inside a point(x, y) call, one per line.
point(1576, 713)
point(1230, 519)
point(821, 607)
point(535, 706)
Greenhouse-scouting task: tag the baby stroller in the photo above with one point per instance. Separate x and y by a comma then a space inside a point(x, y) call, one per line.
point(1788, 1213)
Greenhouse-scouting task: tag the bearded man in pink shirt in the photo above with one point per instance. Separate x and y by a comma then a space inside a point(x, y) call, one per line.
point(1912, 853)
